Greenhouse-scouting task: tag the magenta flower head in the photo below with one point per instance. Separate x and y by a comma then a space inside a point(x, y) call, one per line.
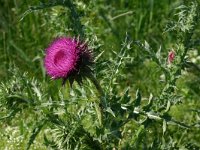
point(68, 58)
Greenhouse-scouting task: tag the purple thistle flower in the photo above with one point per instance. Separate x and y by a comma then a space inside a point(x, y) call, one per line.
point(68, 58)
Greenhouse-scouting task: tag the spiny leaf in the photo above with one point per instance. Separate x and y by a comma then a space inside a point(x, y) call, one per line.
point(138, 98)
point(164, 126)
point(36, 130)
point(110, 111)
point(150, 103)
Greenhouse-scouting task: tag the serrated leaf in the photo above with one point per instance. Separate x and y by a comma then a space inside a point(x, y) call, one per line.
point(36, 130)
point(98, 111)
point(126, 97)
point(164, 126)
point(138, 98)
point(158, 53)
point(146, 46)
point(147, 107)
point(110, 111)
point(168, 106)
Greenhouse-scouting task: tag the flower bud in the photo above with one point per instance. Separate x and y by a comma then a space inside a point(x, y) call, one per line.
point(171, 57)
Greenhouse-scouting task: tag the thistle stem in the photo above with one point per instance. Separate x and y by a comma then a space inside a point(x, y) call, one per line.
point(102, 104)
point(97, 85)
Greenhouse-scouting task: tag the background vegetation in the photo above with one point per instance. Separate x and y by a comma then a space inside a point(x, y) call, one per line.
point(32, 103)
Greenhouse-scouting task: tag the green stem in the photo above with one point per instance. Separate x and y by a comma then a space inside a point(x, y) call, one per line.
point(75, 17)
point(102, 104)
point(97, 85)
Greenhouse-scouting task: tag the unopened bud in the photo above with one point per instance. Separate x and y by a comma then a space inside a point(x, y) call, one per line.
point(171, 56)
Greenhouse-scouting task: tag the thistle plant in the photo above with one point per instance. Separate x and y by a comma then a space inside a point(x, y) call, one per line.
point(98, 112)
